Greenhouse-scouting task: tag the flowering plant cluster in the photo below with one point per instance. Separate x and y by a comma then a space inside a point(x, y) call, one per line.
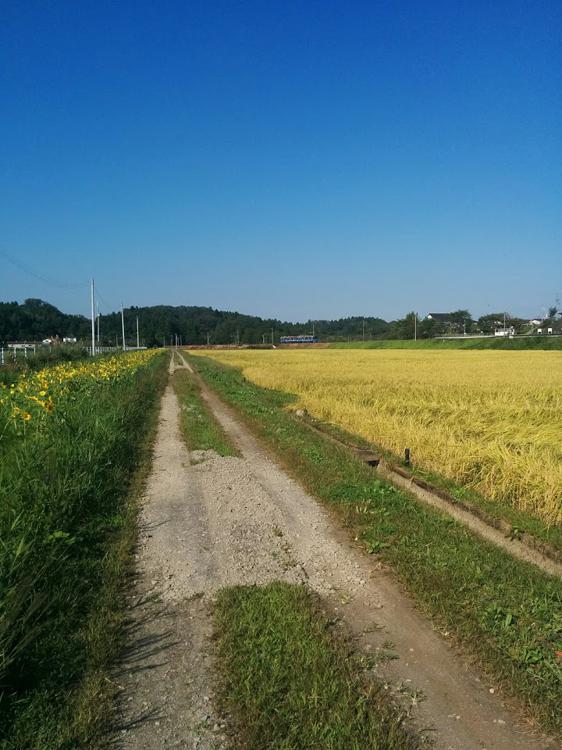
point(36, 396)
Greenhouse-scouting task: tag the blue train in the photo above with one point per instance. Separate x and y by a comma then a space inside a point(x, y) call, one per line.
point(298, 340)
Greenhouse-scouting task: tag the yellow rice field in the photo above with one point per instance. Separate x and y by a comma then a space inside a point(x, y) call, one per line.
point(490, 420)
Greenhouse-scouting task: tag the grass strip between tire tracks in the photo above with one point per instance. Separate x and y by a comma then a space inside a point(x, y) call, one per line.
point(286, 680)
point(505, 613)
point(200, 429)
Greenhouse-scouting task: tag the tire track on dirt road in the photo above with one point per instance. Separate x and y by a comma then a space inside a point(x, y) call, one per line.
point(209, 522)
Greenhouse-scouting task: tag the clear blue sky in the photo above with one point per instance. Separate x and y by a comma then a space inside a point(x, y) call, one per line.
point(289, 159)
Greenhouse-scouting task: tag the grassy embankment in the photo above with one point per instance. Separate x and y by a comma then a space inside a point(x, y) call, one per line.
point(504, 612)
point(521, 522)
point(73, 445)
point(286, 679)
point(200, 430)
point(518, 344)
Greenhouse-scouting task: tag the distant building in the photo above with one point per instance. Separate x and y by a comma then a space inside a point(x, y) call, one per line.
point(549, 327)
point(552, 327)
point(509, 331)
point(450, 323)
point(439, 317)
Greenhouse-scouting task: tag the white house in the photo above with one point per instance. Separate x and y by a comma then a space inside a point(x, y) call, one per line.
point(505, 331)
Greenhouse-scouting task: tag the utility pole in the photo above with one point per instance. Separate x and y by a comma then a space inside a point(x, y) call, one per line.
point(98, 322)
point(415, 326)
point(123, 326)
point(272, 337)
point(138, 339)
point(208, 339)
point(363, 329)
point(93, 318)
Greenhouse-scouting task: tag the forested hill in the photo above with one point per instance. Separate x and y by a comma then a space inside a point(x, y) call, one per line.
point(35, 320)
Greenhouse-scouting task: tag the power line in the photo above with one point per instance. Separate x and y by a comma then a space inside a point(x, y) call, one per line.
point(45, 279)
point(111, 308)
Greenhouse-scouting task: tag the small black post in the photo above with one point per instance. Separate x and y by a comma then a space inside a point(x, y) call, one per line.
point(407, 456)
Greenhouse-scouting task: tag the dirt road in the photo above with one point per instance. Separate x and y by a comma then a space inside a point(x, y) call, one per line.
point(210, 522)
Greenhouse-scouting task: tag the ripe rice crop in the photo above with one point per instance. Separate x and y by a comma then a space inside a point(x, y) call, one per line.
point(488, 420)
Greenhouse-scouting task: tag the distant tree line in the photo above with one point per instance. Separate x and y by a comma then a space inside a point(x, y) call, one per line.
point(35, 320)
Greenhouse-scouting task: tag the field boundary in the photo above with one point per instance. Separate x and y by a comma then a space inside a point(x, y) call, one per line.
point(522, 545)
point(494, 530)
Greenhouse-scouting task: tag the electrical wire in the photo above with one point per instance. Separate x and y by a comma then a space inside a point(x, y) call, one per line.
point(51, 282)
point(111, 308)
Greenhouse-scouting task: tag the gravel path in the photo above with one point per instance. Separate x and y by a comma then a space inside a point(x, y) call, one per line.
point(210, 522)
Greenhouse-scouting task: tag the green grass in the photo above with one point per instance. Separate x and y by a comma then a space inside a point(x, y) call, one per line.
point(285, 679)
point(67, 526)
point(526, 342)
point(520, 521)
point(200, 429)
point(505, 613)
